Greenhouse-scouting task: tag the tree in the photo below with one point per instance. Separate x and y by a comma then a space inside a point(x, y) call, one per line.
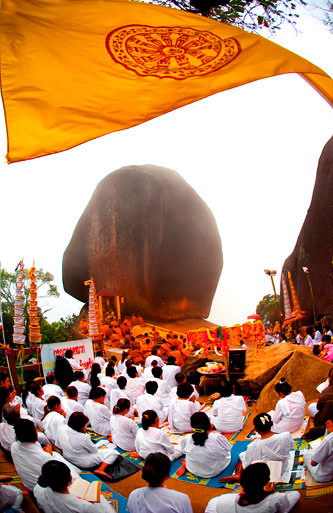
point(59, 331)
point(269, 309)
point(251, 15)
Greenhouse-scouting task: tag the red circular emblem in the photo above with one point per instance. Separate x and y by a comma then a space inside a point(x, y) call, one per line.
point(170, 52)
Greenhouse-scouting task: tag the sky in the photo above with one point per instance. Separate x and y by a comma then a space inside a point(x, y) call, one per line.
point(251, 153)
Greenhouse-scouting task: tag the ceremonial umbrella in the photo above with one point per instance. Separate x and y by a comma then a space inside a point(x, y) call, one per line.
point(255, 317)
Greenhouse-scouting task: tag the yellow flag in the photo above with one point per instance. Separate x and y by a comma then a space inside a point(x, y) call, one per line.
point(73, 70)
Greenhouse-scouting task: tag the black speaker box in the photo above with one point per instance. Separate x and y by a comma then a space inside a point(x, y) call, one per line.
point(237, 360)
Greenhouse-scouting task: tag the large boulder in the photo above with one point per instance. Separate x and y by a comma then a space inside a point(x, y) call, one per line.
point(314, 246)
point(146, 235)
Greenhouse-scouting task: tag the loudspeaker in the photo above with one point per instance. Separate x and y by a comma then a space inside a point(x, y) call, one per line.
point(237, 360)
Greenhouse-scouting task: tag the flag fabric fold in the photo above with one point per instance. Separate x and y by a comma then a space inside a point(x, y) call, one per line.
point(74, 71)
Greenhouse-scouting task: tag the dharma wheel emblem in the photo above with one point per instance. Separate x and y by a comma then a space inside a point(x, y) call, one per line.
point(170, 52)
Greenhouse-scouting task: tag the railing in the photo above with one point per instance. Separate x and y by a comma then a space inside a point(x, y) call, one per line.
point(16, 370)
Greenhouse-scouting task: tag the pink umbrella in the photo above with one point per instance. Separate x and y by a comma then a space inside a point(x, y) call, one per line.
point(255, 317)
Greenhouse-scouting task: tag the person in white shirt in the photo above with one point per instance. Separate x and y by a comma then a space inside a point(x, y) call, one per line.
point(156, 498)
point(11, 499)
point(181, 378)
point(182, 408)
point(164, 389)
point(108, 381)
point(78, 448)
point(73, 363)
point(121, 393)
point(123, 429)
point(206, 453)
point(82, 387)
point(11, 415)
point(154, 356)
point(96, 411)
point(319, 461)
point(99, 359)
point(269, 446)
point(150, 438)
point(70, 402)
point(5, 382)
point(53, 495)
point(38, 404)
point(254, 498)
point(121, 367)
point(289, 410)
point(51, 388)
point(29, 457)
point(54, 417)
point(308, 342)
point(318, 335)
point(147, 373)
point(170, 370)
point(228, 410)
point(150, 401)
point(135, 384)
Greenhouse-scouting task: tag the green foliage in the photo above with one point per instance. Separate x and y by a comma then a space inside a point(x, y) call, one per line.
point(269, 309)
point(251, 15)
point(58, 331)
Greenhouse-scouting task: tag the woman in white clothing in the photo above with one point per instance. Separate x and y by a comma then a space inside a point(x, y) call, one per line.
point(270, 446)
point(78, 448)
point(206, 453)
point(121, 393)
point(289, 410)
point(123, 429)
point(96, 411)
point(150, 438)
point(53, 496)
point(182, 408)
point(156, 498)
point(70, 402)
point(228, 410)
point(82, 387)
point(54, 417)
point(254, 498)
point(37, 404)
point(149, 401)
point(319, 462)
point(107, 381)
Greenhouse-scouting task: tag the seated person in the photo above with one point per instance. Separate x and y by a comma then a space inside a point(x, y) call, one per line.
point(319, 462)
point(228, 410)
point(54, 417)
point(150, 401)
point(289, 410)
point(82, 387)
point(170, 370)
point(182, 408)
point(11, 498)
point(51, 388)
point(97, 413)
point(70, 402)
point(150, 438)
point(123, 429)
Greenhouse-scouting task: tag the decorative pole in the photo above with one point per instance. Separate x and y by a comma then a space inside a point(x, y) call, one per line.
point(34, 321)
point(18, 333)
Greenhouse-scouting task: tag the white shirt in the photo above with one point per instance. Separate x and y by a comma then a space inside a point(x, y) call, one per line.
point(180, 412)
point(151, 402)
point(272, 503)
point(73, 363)
point(289, 413)
point(208, 460)
point(37, 407)
point(83, 390)
point(54, 502)
point(99, 416)
point(135, 387)
point(100, 361)
point(51, 423)
point(108, 383)
point(8, 437)
point(323, 455)
point(153, 357)
point(155, 440)
point(70, 405)
point(317, 337)
point(123, 432)
point(275, 448)
point(169, 372)
point(158, 500)
point(117, 394)
point(163, 390)
point(308, 341)
point(229, 413)
point(52, 389)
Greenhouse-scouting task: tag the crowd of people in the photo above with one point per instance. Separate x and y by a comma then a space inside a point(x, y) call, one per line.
point(131, 402)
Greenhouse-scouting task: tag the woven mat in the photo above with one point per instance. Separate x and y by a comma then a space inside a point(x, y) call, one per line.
point(315, 489)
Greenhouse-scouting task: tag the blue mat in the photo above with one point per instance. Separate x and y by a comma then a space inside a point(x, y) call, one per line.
point(106, 491)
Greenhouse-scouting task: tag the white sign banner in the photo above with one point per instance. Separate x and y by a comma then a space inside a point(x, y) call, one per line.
point(82, 352)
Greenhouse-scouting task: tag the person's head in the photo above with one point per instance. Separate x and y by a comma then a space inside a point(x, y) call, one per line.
point(147, 341)
point(78, 375)
point(95, 369)
point(4, 380)
point(151, 387)
point(185, 390)
point(109, 371)
point(124, 355)
point(129, 363)
point(72, 393)
point(154, 363)
point(36, 389)
point(149, 419)
point(154, 351)
point(156, 469)
point(78, 421)
point(56, 475)
point(50, 379)
point(99, 353)
point(146, 336)
point(326, 339)
point(157, 372)
point(200, 424)
point(180, 377)
point(263, 423)
point(122, 382)
point(68, 353)
point(113, 359)
point(226, 389)
point(253, 480)
point(282, 388)
point(132, 372)
point(123, 405)
point(4, 396)
point(10, 414)
point(94, 381)
point(171, 360)
point(53, 403)
point(97, 394)
point(309, 331)
point(25, 431)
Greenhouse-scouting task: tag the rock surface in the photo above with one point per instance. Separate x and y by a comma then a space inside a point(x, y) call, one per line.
point(146, 235)
point(314, 246)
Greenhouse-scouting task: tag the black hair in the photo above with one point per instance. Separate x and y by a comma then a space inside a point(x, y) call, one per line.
point(122, 405)
point(151, 387)
point(68, 353)
point(53, 401)
point(95, 382)
point(171, 360)
point(282, 387)
point(10, 414)
point(124, 355)
point(326, 338)
point(26, 390)
point(78, 374)
point(309, 331)
point(226, 389)
point(4, 395)
point(200, 424)
point(185, 390)
point(109, 370)
point(93, 378)
point(113, 359)
point(99, 353)
point(154, 363)
point(56, 475)
point(148, 419)
point(50, 379)
point(263, 422)
point(77, 421)
point(95, 369)
point(156, 468)
point(132, 371)
point(157, 372)
point(154, 351)
point(179, 377)
point(253, 479)
point(35, 388)
point(25, 431)
point(122, 382)
point(96, 393)
point(3, 376)
point(129, 363)
point(72, 392)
